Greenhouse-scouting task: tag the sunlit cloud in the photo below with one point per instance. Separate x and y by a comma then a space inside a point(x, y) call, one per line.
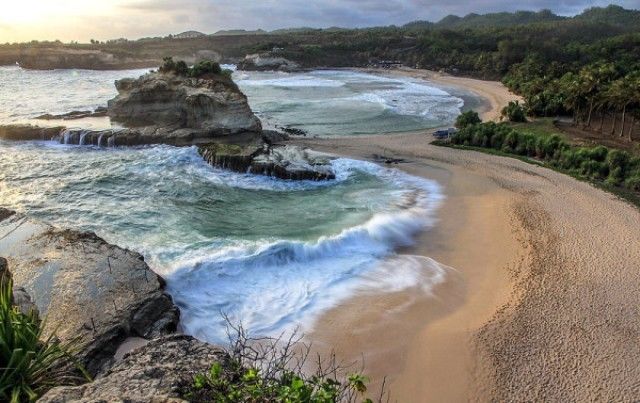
point(22, 20)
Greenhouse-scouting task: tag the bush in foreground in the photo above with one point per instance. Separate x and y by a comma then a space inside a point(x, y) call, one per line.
point(30, 364)
point(273, 370)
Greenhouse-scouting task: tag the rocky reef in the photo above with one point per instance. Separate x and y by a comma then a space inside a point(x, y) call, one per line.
point(212, 104)
point(284, 162)
point(267, 62)
point(90, 291)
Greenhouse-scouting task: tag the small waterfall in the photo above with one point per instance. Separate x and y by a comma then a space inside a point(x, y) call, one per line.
point(83, 134)
point(111, 142)
point(66, 136)
point(100, 139)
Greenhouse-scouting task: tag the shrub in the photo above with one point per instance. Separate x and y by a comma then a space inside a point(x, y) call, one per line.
point(514, 112)
point(467, 118)
point(205, 67)
point(271, 370)
point(200, 69)
point(30, 364)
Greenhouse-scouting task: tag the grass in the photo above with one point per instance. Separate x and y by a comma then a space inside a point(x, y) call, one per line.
point(538, 127)
point(30, 362)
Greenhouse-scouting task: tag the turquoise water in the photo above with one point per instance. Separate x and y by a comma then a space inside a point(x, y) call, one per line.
point(269, 253)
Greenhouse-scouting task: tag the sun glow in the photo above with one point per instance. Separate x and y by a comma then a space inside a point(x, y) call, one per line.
point(26, 19)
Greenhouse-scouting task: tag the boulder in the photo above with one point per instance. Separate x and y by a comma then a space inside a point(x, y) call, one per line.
point(90, 291)
point(284, 162)
point(212, 104)
point(157, 372)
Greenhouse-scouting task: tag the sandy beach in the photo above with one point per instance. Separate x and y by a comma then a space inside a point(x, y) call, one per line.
point(541, 299)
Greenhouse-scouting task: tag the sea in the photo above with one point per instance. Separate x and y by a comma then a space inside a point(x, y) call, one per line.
point(270, 254)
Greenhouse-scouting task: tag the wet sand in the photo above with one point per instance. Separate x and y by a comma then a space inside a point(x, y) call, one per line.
point(542, 299)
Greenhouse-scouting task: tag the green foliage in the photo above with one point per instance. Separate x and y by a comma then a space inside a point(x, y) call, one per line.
point(275, 370)
point(613, 167)
point(200, 69)
point(467, 118)
point(30, 363)
point(514, 112)
point(237, 384)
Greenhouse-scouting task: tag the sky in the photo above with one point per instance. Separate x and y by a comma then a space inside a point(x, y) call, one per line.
point(81, 20)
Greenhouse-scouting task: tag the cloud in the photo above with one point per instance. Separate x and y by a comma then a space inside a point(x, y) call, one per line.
point(138, 18)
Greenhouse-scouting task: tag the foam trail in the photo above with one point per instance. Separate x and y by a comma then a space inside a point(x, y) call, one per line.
point(277, 286)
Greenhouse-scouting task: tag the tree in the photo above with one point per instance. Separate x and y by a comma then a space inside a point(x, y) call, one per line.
point(514, 112)
point(467, 118)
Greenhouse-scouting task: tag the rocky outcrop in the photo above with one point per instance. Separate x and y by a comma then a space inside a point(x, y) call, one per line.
point(284, 162)
point(29, 132)
point(213, 104)
point(267, 62)
point(157, 372)
point(89, 290)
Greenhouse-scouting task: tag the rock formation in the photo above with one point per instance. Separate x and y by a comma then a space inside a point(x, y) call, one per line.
point(89, 290)
point(284, 162)
point(212, 104)
point(267, 62)
point(157, 372)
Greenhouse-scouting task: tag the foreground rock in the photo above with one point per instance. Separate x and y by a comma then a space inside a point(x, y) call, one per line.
point(90, 291)
point(284, 162)
point(213, 104)
point(267, 62)
point(157, 372)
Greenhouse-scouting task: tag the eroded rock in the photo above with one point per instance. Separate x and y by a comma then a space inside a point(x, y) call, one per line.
point(89, 290)
point(156, 372)
point(284, 162)
point(267, 62)
point(213, 104)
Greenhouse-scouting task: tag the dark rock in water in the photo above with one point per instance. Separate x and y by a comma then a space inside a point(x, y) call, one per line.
point(99, 112)
point(230, 156)
point(294, 131)
point(89, 290)
point(29, 132)
point(156, 372)
point(273, 137)
point(212, 104)
point(284, 162)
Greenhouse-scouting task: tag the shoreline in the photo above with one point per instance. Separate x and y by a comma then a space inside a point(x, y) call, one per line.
point(536, 255)
point(493, 94)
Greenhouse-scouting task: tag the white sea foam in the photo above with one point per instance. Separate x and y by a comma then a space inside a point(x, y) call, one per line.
point(277, 286)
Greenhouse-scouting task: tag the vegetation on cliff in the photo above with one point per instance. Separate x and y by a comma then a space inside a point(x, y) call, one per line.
point(201, 69)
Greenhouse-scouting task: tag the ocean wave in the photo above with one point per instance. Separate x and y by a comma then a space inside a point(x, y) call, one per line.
point(275, 286)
